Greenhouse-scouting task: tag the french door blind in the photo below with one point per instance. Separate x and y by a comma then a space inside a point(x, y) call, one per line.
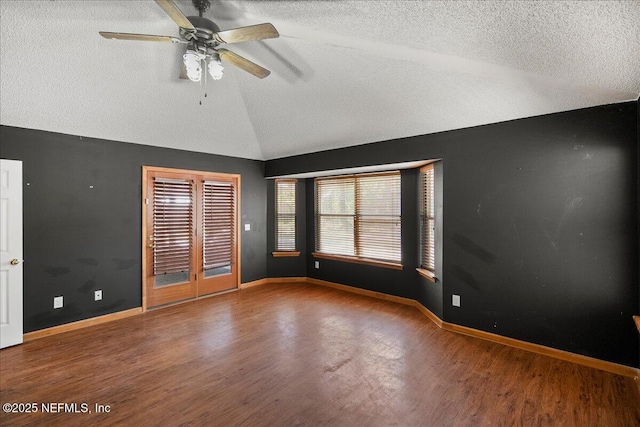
point(218, 224)
point(172, 225)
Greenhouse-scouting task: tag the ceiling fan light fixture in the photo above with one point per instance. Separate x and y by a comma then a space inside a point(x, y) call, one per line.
point(202, 37)
point(192, 61)
point(216, 70)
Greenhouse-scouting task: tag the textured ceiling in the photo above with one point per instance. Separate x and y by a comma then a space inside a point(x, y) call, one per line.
point(343, 72)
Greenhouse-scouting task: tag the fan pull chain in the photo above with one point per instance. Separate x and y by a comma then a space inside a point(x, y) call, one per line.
point(205, 85)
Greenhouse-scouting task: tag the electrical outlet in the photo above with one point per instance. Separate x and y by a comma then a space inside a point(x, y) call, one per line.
point(58, 302)
point(455, 300)
point(317, 264)
point(97, 295)
point(247, 227)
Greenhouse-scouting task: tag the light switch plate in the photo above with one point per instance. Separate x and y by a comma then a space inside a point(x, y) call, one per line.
point(247, 227)
point(58, 302)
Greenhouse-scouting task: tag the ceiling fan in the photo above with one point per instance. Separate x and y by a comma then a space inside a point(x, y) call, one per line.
point(203, 38)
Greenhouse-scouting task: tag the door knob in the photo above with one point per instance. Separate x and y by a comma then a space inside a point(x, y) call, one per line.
point(14, 262)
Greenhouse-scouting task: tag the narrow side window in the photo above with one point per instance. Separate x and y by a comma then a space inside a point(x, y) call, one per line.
point(285, 214)
point(427, 218)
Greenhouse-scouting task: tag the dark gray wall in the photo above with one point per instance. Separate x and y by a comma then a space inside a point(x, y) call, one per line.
point(82, 219)
point(539, 225)
point(540, 230)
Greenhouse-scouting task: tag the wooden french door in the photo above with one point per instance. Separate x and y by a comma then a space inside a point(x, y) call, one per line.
point(190, 230)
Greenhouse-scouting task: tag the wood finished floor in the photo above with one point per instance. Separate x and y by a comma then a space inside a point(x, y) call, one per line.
point(299, 354)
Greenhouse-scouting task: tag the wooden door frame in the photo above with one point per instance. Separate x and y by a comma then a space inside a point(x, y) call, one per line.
point(145, 250)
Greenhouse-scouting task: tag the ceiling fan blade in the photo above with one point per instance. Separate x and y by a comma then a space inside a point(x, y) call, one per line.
point(174, 13)
point(245, 64)
point(140, 37)
point(244, 34)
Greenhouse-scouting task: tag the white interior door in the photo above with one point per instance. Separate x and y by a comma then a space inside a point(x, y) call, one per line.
point(10, 253)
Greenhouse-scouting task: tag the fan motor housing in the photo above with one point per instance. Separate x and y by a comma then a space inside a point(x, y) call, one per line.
point(205, 28)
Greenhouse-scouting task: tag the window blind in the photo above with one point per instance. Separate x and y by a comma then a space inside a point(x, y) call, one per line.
point(359, 216)
point(427, 218)
point(285, 215)
point(335, 222)
point(378, 216)
point(172, 225)
point(218, 231)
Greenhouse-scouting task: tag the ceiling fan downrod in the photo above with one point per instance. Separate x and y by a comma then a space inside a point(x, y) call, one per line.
point(201, 5)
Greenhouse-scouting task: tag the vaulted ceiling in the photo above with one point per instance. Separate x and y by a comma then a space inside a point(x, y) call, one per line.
point(343, 72)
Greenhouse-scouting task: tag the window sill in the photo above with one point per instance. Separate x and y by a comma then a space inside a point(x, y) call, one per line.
point(279, 254)
point(429, 275)
point(366, 261)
